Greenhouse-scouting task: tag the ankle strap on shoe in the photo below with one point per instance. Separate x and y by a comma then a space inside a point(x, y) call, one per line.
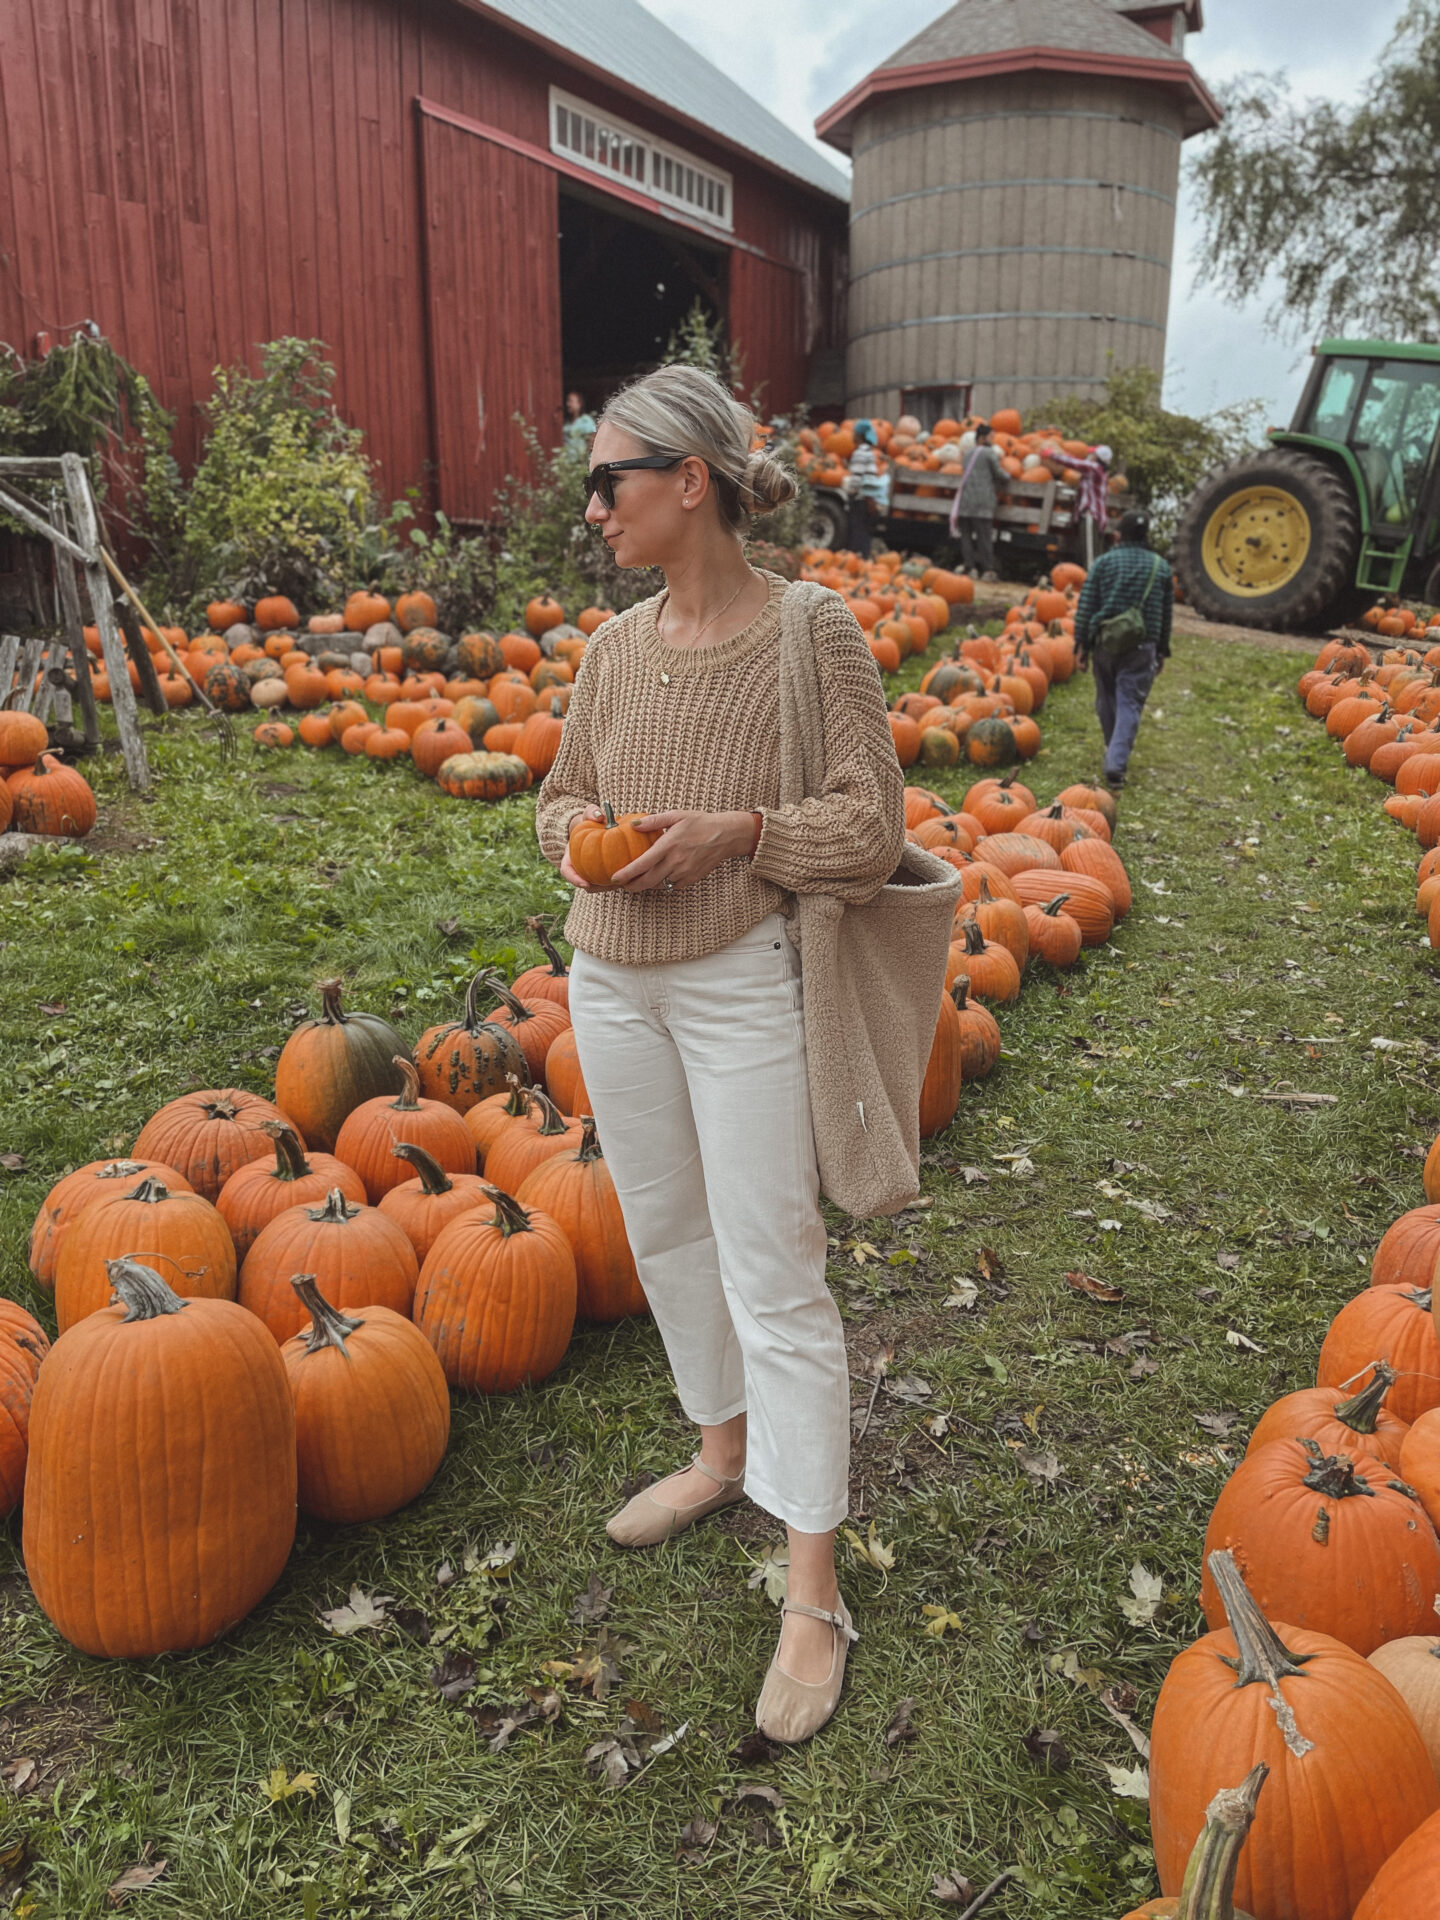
point(720, 1479)
point(835, 1620)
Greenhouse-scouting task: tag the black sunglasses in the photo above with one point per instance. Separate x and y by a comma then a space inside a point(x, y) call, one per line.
point(601, 479)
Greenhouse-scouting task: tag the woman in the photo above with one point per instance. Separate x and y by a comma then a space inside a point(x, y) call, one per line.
point(685, 989)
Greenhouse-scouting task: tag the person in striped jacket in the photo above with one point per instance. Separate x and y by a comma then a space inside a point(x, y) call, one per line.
point(867, 488)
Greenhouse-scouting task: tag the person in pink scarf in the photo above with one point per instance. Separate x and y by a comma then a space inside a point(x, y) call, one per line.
point(1094, 482)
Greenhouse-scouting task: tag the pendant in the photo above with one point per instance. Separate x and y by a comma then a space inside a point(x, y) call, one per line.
point(664, 679)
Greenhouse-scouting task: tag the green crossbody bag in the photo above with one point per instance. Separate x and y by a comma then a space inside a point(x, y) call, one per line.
point(1123, 632)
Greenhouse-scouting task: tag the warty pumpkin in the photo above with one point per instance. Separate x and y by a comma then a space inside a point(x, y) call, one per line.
point(462, 1062)
point(1332, 1542)
point(534, 1023)
point(497, 1297)
point(329, 1066)
point(71, 1195)
point(1335, 1735)
point(160, 1494)
point(372, 1410)
point(372, 1130)
point(207, 1136)
point(422, 1205)
point(1393, 1324)
point(575, 1189)
point(181, 1233)
point(1339, 1421)
point(359, 1257)
point(944, 1072)
point(254, 1194)
point(1208, 1889)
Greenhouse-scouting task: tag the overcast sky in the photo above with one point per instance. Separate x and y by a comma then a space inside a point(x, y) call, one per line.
point(798, 56)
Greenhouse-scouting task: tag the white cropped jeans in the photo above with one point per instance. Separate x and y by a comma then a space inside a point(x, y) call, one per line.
point(696, 1074)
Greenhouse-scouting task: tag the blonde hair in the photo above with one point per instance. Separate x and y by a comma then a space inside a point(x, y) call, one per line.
point(682, 410)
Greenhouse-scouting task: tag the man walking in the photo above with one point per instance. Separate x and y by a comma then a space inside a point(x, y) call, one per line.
point(1122, 628)
point(972, 518)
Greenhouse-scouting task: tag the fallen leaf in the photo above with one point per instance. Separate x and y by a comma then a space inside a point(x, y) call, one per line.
point(13, 1162)
point(445, 1574)
point(51, 1006)
point(642, 1717)
point(937, 1426)
point(989, 1263)
point(497, 1561)
point(670, 1740)
point(278, 1785)
point(1117, 1702)
point(1047, 1749)
point(872, 1550)
point(965, 1295)
point(133, 1880)
point(363, 1613)
point(449, 1847)
point(753, 1749)
point(952, 1890)
point(1131, 1783)
point(1040, 1466)
point(772, 1573)
point(1141, 1367)
point(1097, 1289)
point(861, 1251)
point(911, 1389)
point(455, 1674)
point(899, 1727)
point(1148, 1589)
point(695, 1837)
point(1227, 1261)
point(413, 1621)
point(19, 1775)
point(341, 1804)
point(1068, 1665)
point(593, 1604)
point(761, 1795)
point(1218, 1424)
point(447, 929)
point(609, 1759)
point(940, 1621)
point(1241, 1340)
point(974, 1176)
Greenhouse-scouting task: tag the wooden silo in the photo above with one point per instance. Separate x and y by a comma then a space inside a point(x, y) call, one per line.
point(1012, 216)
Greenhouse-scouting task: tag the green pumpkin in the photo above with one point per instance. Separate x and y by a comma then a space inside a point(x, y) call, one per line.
point(938, 748)
point(425, 651)
point(483, 776)
point(227, 686)
point(478, 656)
point(991, 743)
point(476, 715)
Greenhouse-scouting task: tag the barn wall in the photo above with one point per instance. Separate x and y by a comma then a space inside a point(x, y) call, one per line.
point(198, 176)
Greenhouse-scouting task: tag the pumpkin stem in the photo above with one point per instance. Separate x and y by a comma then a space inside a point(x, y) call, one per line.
point(510, 1216)
point(984, 898)
point(974, 938)
point(589, 1148)
point(538, 929)
point(1055, 811)
point(498, 990)
point(150, 1190)
point(1053, 907)
point(1264, 1657)
point(1361, 1413)
point(219, 1109)
point(328, 1326)
point(144, 1294)
point(336, 1207)
point(960, 992)
point(290, 1161)
point(331, 1012)
point(408, 1098)
point(1208, 1892)
point(552, 1121)
point(433, 1177)
point(609, 813)
point(1334, 1474)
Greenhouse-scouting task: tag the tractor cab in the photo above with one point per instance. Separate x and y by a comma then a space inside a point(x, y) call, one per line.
point(1342, 506)
point(1377, 409)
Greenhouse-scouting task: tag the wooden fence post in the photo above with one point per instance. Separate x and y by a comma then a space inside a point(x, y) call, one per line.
point(122, 694)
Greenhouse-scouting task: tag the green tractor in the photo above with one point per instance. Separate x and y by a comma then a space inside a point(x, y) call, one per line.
point(1343, 507)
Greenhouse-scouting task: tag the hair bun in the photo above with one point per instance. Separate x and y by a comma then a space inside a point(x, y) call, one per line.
point(766, 484)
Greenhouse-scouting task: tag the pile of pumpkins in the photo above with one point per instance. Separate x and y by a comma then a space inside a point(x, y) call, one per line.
point(266, 1303)
point(1393, 620)
point(1386, 717)
point(382, 681)
point(39, 792)
point(1029, 458)
point(1322, 1663)
point(1040, 883)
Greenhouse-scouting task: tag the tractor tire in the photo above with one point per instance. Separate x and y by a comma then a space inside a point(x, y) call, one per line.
point(827, 525)
point(1318, 589)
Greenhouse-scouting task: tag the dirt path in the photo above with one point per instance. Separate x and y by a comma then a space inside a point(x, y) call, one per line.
point(1190, 625)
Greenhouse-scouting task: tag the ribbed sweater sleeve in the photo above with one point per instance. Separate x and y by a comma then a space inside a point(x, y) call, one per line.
point(846, 841)
point(573, 783)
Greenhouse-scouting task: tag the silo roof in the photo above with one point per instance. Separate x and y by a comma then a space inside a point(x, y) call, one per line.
point(979, 39)
point(623, 44)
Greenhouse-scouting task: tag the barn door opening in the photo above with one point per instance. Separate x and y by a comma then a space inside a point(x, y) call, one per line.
point(625, 286)
point(492, 296)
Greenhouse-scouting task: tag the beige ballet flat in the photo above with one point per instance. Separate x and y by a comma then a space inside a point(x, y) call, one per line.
point(643, 1522)
point(791, 1710)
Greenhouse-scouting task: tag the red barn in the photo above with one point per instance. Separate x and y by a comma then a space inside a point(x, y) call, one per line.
point(475, 204)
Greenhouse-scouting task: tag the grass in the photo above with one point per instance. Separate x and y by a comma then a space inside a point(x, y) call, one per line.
point(1273, 914)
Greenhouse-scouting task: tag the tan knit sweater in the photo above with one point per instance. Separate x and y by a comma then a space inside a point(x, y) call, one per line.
point(658, 729)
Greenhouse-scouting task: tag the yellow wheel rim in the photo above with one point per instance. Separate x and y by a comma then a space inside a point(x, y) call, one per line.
point(1255, 542)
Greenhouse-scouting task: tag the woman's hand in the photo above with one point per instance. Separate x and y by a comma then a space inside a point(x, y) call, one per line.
point(567, 872)
point(690, 846)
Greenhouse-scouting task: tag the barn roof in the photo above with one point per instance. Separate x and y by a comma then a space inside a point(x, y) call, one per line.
point(978, 39)
point(624, 44)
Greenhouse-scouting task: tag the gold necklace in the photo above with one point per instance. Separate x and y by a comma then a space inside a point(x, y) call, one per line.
point(660, 623)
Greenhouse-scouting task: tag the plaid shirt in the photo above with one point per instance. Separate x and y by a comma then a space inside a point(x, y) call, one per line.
point(1116, 581)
